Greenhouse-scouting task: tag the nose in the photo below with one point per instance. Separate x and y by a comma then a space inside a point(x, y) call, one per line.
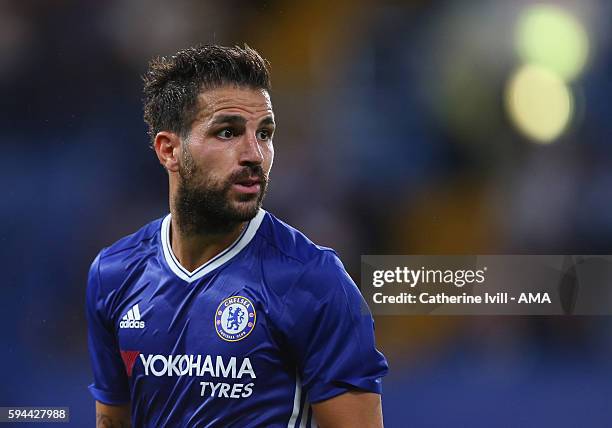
point(250, 153)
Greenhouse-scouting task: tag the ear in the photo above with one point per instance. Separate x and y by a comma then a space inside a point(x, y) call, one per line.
point(167, 146)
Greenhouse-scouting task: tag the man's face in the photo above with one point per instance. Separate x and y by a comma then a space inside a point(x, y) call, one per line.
point(226, 159)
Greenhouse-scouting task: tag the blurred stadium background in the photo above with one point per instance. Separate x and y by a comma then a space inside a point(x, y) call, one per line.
point(409, 127)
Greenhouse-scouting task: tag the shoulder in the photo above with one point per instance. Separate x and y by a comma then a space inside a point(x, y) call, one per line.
point(110, 265)
point(297, 262)
point(130, 242)
point(290, 242)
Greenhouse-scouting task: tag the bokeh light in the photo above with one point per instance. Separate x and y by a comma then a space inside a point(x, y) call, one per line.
point(551, 37)
point(539, 103)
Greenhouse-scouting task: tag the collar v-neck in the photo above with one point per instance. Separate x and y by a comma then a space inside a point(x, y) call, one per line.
point(230, 252)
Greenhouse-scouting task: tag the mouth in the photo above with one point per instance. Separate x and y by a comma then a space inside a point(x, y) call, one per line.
point(248, 185)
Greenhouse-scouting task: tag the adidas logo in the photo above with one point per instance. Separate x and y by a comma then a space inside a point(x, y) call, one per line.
point(132, 319)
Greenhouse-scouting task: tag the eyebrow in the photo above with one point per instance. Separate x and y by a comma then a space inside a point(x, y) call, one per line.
point(234, 119)
point(267, 121)
point(228, 118)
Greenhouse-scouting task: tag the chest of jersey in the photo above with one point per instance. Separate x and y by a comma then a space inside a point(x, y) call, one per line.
point(213, 336)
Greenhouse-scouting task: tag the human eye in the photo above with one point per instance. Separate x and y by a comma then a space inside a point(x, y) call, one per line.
point(225, 134)
point(264, 134)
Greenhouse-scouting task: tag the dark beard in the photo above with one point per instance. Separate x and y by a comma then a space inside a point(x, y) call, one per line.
point(203, 207)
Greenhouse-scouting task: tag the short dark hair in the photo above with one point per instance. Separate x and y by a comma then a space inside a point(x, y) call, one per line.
point(172, 84)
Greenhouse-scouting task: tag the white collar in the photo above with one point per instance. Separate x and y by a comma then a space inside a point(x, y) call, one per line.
point(231, 251)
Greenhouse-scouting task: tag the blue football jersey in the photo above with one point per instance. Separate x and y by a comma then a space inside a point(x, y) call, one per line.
point(251, 338)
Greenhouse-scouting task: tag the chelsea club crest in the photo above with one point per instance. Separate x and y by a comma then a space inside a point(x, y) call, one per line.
point(235, 318)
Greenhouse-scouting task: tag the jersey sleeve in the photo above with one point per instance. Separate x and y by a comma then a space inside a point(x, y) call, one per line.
point(110, 385)
point(330, 331)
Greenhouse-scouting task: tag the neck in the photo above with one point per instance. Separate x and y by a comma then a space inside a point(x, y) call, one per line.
point(194, 249)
